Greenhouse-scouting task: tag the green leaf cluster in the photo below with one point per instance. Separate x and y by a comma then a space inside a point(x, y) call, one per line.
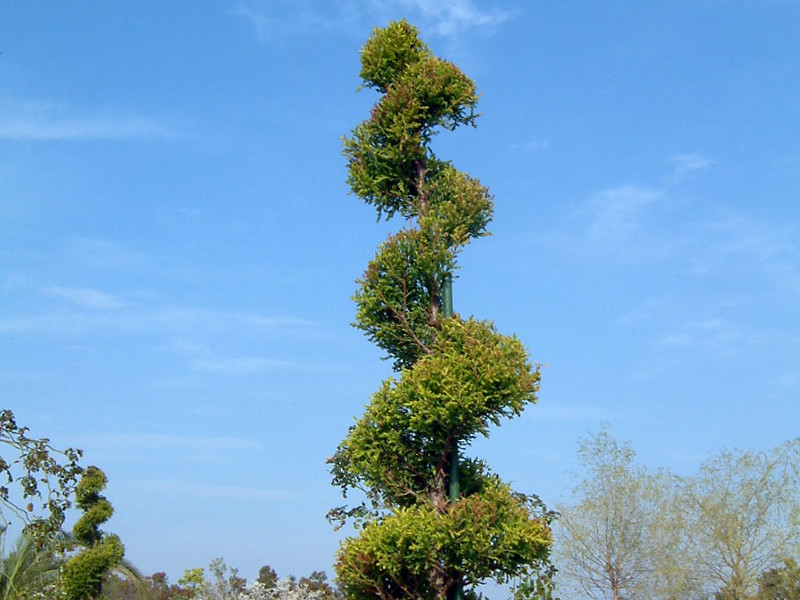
point(472, 378)
point(401, 555)
point(391, 164)
point(455, 377)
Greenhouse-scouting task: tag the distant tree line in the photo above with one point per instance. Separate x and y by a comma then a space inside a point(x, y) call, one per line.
point(219, 582)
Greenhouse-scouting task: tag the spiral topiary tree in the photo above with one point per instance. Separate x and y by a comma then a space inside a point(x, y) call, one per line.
point(82, 577)
point(434, 526)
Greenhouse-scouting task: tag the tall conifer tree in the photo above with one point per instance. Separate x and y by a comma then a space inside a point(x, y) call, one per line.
point(454, 377)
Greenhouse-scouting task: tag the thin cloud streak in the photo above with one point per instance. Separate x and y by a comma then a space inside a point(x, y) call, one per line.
point(616, 212)
point(146, 321)
point(46, 122)
point(247, 365)
point(152, 441)
point(198, 489)
point(85, 298)
point(683, 165)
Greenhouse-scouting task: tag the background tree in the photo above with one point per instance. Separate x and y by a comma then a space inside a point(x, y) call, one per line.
point(611, 541)
point(740, 517)
point(455, 377)
point(780, 583)
point(154, 587)
point(267, 576)
point(83, 573)
point(318, 582)
point(46, 478)
point(193, 581)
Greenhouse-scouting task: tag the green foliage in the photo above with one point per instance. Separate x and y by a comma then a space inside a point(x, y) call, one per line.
point(389, 52)
point(456, 377)
point(193, 579)
point(473, 377)
point(46, 478)
point(83, 574)
point(391, 164)
point(488, 535)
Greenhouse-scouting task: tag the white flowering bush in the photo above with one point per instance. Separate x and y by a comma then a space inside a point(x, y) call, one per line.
point(284, 589)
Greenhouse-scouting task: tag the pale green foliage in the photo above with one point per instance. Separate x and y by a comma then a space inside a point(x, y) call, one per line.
point(457, 377)
point(724, 532)
point(193, 579)
point(740, 516)
point(610, 541)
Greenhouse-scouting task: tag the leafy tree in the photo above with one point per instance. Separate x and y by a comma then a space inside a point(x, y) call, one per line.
point(225, 583)
point(780, 583)
point(46, 478)
point(161, 589)
point(740, 517)
point(456, 377)
point(267, 576)
point(193, 580)
point(318, 582)
point(611, 540)
point(224, 586)
point(154, 587)
point(83, 573)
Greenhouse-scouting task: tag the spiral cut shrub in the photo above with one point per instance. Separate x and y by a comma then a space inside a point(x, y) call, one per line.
point(83, 573)
point(454, 377)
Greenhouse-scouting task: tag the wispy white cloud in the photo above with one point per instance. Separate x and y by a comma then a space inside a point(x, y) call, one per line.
point(713, 331)
point(615, 212)
point(194, 489)
point(243, 365)
point(446, 18)
point(148, 320)
point(85, 298)
point(734, 242)
point(787, 381)
point(682, 165)
point(101, 254)
point(450, 17)
point(537, 145)
point(38, 121)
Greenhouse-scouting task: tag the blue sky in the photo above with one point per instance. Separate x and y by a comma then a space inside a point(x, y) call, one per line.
point(178, 247)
